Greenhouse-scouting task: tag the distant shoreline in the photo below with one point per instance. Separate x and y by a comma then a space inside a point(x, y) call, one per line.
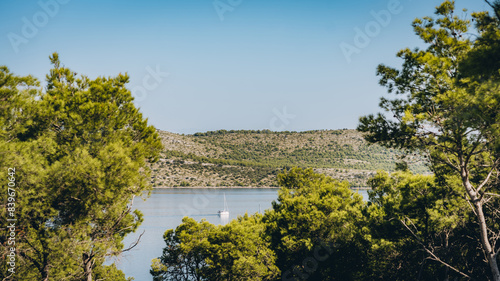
point(214, 187)
point(234, 187)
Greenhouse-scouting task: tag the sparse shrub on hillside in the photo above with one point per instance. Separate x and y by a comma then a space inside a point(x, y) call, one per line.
point(255, 156)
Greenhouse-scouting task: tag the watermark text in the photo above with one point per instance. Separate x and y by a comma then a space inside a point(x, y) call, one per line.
point(49, 9)
point(11, 221)
point(363, 36)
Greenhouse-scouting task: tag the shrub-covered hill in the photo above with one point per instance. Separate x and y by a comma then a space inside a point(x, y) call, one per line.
point(254, 158)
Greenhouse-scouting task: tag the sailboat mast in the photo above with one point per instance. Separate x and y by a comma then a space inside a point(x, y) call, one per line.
point(225, 203)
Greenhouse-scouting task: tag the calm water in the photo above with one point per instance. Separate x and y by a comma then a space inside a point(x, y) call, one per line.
point(165, 208)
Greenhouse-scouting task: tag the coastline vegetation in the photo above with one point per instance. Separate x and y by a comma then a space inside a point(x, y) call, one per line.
point(254, 158)
point(82, 151)
point(439, 226)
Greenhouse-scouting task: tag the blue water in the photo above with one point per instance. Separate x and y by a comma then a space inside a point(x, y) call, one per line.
point(165, 208)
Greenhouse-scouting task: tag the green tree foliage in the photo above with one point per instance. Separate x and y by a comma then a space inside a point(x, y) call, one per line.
point(202, 251)
point(183, 257)
point(429, 232)
point(483, 61)
point(318, 228)
point(17, 96)
point(80, 153)
point(448, 108)
point(413, 228)
point(241, 251)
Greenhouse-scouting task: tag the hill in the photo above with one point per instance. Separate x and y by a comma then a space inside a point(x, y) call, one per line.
point(254, 158)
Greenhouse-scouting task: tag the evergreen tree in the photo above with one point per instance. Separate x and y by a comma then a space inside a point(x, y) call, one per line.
point(425, 226)
point(80, 157)
point(448, 109)
point(318, 228)
point(202, 251)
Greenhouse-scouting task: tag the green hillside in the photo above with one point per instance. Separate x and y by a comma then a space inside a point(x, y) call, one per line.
point(254, 158)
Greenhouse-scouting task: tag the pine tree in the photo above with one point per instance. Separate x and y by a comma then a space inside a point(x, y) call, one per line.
point(451, 111)
point(81, 154)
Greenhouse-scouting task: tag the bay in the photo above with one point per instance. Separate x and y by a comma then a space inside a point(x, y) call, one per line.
point(166, 207)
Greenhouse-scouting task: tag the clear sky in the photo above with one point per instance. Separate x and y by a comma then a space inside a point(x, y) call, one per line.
point(200, 65)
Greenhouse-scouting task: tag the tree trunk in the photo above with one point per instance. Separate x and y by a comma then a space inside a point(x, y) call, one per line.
point(87, 261)
point(494, 266)
point(46, 268)
point(483, 227)
point(489, 251)
point(45, 276)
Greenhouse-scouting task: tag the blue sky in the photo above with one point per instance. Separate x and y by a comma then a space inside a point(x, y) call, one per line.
point(252, 64)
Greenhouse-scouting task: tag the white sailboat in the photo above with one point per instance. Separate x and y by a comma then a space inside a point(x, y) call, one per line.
point(225, 212)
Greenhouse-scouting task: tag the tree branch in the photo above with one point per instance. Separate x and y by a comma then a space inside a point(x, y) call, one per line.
point(485, 181)
point(434, 257)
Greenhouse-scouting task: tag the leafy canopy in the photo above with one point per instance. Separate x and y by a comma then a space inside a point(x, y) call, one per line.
point(80, 149)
